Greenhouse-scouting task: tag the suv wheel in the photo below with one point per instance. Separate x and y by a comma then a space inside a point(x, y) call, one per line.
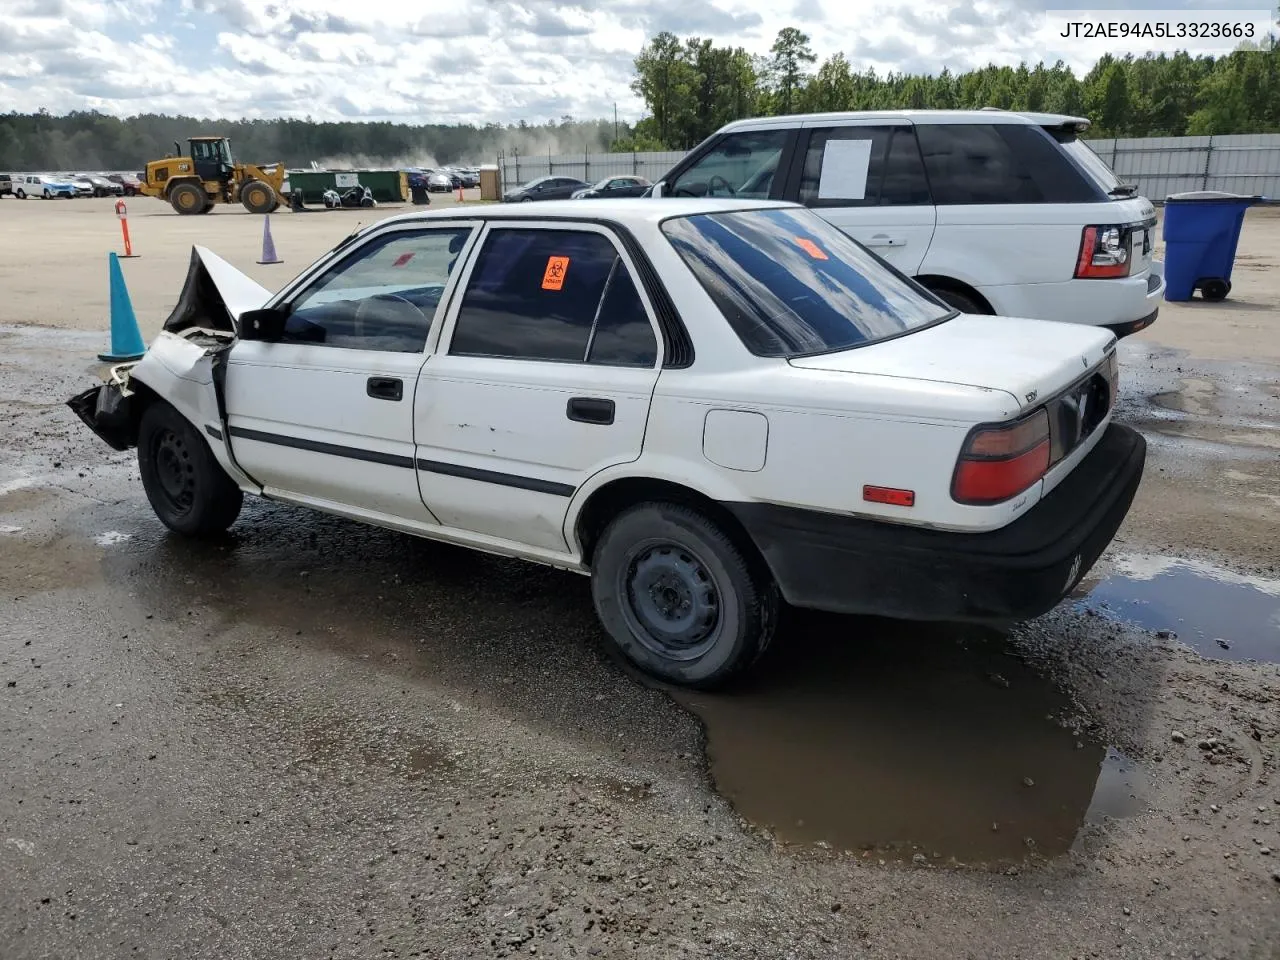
point(188, 489)
point(678, 598)
point(961, 301)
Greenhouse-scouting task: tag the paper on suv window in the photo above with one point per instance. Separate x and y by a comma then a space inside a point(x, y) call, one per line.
point(844, 170)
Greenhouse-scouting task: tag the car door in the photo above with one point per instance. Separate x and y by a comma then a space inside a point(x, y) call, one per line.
point(546, 366)
point(866, 176)
point(325, 414)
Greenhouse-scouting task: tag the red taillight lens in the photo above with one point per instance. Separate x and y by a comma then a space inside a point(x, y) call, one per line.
point(1104, 252)
point(1000, 461)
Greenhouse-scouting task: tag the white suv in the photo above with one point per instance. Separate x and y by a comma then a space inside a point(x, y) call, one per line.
point(995, 212)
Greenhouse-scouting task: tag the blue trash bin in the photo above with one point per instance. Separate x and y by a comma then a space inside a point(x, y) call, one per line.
point(1200, 234)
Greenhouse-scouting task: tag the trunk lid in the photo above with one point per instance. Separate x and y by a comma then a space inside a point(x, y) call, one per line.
point(1028, 359)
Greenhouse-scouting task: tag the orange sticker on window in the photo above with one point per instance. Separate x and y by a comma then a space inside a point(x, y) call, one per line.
point(811, 248)
point(401, 260)
point(553, 276)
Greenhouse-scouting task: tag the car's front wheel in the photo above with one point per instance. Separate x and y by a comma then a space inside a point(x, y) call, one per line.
point(679, 598)
point(188, 489)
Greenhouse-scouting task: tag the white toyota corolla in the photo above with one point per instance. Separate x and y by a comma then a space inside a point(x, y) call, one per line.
point(711, 407)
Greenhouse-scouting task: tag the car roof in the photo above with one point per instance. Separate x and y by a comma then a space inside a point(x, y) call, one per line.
point(627, 210)
point(985, 115)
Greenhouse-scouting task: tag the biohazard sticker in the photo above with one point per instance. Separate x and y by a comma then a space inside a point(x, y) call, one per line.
point(553, 276)
point(811, 248)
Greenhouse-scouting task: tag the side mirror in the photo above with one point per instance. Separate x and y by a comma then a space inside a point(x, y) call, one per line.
point(266, 325)
point(659, 189)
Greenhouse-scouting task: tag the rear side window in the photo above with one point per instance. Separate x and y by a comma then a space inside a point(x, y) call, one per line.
point(1000, 163)
point(559, 295)
point(862, 166)
point(789, 283)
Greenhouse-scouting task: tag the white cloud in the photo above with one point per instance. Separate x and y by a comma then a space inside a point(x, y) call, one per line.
point(470, 61)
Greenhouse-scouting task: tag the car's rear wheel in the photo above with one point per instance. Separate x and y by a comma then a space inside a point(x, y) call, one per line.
point(960, 301)
point(678, 598)
point(188, 489)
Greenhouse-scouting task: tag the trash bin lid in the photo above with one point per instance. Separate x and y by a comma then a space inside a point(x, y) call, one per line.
point(1209, 196)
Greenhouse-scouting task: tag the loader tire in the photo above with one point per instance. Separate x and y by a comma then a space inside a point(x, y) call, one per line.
point(187, 198)
point(257, 197)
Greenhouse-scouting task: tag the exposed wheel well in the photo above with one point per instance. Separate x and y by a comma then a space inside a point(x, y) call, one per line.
point(142, 397)
point(937, 283)
point(611, 499)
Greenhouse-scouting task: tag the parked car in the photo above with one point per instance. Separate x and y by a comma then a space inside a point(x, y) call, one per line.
point(82, 186)
point(439, 182)
point(39, 185)
point(613, 188)
point(709, 407)
point(128, 182)
point(994, 211)
point(545, 188)
point(104, 186)
point(470, 177)
point(6, 185)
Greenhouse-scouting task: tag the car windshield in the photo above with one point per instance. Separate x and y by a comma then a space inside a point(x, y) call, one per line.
point(791, 284)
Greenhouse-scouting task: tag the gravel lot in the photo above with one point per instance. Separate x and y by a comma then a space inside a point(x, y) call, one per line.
point(320, 739)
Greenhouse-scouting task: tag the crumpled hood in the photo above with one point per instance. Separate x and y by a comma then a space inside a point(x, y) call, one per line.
point(214, 295)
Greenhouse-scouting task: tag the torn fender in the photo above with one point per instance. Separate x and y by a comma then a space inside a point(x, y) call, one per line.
point(214, 295)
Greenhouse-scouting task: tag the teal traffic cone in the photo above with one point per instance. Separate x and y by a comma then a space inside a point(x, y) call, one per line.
point(268, 245)
point(126, 338)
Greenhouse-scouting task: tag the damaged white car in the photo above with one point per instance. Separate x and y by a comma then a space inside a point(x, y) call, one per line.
point(711, 407)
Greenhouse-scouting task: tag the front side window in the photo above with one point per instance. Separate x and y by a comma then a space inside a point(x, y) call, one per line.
point(741, 165)
point(383, 296)
point(558, 295)
point(789, 283)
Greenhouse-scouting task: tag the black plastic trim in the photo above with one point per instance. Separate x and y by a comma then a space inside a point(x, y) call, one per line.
point(213, 432)
point(501, 479)
point(333, 449)
point(1133, 326)
point(847, 564)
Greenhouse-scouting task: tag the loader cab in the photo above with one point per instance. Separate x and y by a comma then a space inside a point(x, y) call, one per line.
point(212, 157)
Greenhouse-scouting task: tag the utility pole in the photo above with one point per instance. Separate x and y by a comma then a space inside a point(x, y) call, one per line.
point(615, 123)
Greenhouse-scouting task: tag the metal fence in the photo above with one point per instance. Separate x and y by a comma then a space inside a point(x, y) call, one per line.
point(589, 167)
point(1245, 163)
point(1248, 163)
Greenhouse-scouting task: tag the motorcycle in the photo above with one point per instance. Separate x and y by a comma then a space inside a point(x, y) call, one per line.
point(355, 197)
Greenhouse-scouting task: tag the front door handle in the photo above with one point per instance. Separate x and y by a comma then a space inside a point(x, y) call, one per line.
point(884, 240)
point(590, 410)
point(385, 388)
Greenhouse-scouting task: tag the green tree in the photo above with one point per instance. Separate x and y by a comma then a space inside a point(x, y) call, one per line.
point(790, 57)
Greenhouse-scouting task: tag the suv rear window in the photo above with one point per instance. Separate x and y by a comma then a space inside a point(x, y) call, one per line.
point(1000, 163)
point(791, 284)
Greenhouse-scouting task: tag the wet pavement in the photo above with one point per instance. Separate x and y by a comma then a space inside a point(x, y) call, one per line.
point(423, 750)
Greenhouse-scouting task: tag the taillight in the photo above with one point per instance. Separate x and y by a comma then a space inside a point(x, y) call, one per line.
point(1001, 460)
point(1104, 252)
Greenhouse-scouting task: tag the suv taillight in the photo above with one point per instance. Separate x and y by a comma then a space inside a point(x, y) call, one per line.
point(1104, 252)
point(999, 461)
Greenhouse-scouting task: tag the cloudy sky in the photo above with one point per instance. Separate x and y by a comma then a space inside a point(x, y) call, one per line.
point(466, 60)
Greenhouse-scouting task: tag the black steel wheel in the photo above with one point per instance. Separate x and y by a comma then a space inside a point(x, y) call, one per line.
point(679, 598)
point(187, 487)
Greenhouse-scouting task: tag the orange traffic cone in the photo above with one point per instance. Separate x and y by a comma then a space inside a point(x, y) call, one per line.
point(268, 245)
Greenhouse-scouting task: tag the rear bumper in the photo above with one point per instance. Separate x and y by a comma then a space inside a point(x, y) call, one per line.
point(1109, 303)
point(848, 565)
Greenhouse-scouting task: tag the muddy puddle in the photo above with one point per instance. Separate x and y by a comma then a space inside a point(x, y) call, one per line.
point(1219, 614)
point(897, 741)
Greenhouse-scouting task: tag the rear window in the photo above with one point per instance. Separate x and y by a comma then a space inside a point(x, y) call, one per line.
point(1094, 165)
point(791, 284)
point(992, 163)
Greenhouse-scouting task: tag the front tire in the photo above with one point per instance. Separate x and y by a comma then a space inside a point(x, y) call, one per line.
point(257, 197)
point(679, 599)
point(187, 487)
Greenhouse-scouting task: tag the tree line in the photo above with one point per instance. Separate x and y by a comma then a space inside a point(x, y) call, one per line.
point(84, 141)
point(691, 87)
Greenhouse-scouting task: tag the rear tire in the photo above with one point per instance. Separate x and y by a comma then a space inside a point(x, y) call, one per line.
point(257, 197)
point(679, 599)
point(960, 301)
point(187, 198)
point(187, 487)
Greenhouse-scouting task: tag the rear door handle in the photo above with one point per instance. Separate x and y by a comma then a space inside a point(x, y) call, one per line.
point(385, 388)
point(590, 410)
point(884, 240)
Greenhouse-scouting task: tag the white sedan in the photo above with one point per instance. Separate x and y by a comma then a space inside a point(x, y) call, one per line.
point(710, 407)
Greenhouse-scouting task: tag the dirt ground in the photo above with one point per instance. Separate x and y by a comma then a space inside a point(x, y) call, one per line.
point(322, 739)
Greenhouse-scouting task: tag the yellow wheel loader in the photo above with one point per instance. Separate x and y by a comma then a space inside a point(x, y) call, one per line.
point(207, 175)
